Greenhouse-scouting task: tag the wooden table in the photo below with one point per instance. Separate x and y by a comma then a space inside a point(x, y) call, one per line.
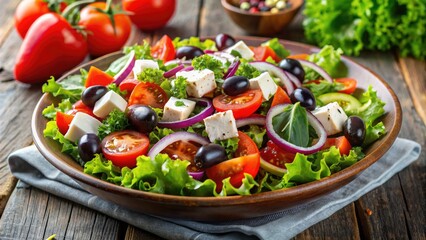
point(395, 210)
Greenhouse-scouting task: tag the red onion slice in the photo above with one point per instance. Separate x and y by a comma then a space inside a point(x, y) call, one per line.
point(278, 72)
point(293, 79)
point(197, 175)
point(317, 69)
point(186, 69)
point(287, 146)
point(126, 70)
point(207, 111)
point(255, 119)
point(172, 72)
point(232, 69)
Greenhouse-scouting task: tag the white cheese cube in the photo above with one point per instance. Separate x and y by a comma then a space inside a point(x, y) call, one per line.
point(177, 109)
point(266, 84)
point(221, 126)
point(332, 117)
point(199, 82)
point(242, 49)
point(140, 65)
point(108, 102)
point(81, 124)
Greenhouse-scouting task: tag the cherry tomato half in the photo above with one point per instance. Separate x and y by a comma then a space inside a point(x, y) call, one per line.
point(341, 143)
point(247, 160)
point(261, 53)
point(349, 85)
point(128, 85)
point(241, 105)
point(164, 49)
point(63, 121)
point(275, 155)
point(183, 150)
point(148, 94)
point(123, 147)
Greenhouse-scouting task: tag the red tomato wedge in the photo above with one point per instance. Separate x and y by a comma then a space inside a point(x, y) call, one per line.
point(247, 160)
point(123, 147)
point(79, 106)
point(148, 94)
point(63, 121)
point(164, 49)
point(262, 53)
point(280, 97)
point(349, 85)
point(183, 150)
point(97, 77)
point(341, 143)
point(241, 105)
point(128, 85)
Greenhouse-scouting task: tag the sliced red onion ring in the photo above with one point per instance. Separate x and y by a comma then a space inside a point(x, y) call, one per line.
point(207, 111)
point(278, 72)
point(232, 69)
point(172, 72)
point(293, 79)
point(255, 119)
point(208, 51)
point(223, 57)
point(287, 146)
point(178, 61)
point(126, 70)
point(174, 137)
point(186, 69)
point(317, 69)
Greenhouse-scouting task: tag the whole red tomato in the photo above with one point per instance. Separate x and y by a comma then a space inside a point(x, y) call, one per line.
point(29, 10)
point(50, 48)
point(103, 36)
point(150, 14)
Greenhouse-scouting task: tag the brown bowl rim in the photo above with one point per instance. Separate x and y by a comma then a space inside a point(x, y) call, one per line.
point(281, 194)
point(233, 8)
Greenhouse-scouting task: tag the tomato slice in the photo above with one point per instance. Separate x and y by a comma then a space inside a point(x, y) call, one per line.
point(242, 105)
point(148, 94)
point(247, 160)
point(128, 85)
point(349, 85)
point(123, 147)
point(79, 106)
point(302, 56)
point(261, 53)
point(280, 97)
point(183, 150)
point(63, 121)
point(274, 158)
point(97, 77)
point(164, 49)
point(341, 143)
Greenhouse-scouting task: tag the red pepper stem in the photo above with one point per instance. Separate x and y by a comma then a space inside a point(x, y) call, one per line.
point(72, 6)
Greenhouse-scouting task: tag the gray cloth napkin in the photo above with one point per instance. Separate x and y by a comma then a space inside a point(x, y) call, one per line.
point(32, 168)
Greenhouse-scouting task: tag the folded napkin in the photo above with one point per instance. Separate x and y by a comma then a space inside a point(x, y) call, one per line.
point(32, 168)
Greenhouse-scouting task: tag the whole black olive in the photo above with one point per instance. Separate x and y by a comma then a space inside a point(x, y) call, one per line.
point(354, 130)
point(92, 94)
point(209, 155)
point(88, 145)
point(142, 117)
point(305, 97)
point(224, 41)
point(188, 52)
point(294, 67)
point(235, 85)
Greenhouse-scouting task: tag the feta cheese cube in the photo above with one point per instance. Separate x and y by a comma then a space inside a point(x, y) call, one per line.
point(221, 126)
point(332, 117)
point(177, 109)
point(199, 82)
point(141, 64)
point(266, 84)
point(81, 124)
point(108, 102)
point(242, 49)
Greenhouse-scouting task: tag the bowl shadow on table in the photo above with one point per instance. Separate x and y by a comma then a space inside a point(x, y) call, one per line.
point(262, 23)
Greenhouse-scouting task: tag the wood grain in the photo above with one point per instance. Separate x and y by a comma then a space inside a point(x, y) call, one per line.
point(414, 72)
point(6, 21)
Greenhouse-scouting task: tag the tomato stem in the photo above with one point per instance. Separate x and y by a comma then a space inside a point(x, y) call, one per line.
point(69, 9)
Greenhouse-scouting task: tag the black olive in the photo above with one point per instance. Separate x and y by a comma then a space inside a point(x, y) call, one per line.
point(294, 67)
point(305, 97)
point(88, 145)
point(235, 85)
point(188, 52)
point(354, 130)
point(142, 117)
point(224, 41)
point(92, 94)
point(209, 155)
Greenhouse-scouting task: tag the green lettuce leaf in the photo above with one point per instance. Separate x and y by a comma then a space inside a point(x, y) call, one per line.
point(50, 111)
point(230, 145)
point(71, 87)
point(178, 89)
point(292, 125)
point(247, 70)
point(373, 106)
point(151, 75)
point(116, 121)
point(142, 51)
point(278, 48)
point(103, 169)
point(159, 133)
point(208, 62)
point(321, 87)
point(196, 42)
point(329, 59)
point(256, 133)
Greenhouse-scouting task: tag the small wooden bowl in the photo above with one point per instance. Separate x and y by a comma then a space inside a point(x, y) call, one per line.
point(262, 23)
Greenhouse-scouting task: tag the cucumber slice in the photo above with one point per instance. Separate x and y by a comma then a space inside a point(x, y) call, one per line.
point(348, 102)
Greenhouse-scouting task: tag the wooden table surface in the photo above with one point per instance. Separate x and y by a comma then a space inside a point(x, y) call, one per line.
point(395, 210)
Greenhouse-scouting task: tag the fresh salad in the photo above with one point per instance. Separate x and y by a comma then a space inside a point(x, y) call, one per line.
point(214, 117)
